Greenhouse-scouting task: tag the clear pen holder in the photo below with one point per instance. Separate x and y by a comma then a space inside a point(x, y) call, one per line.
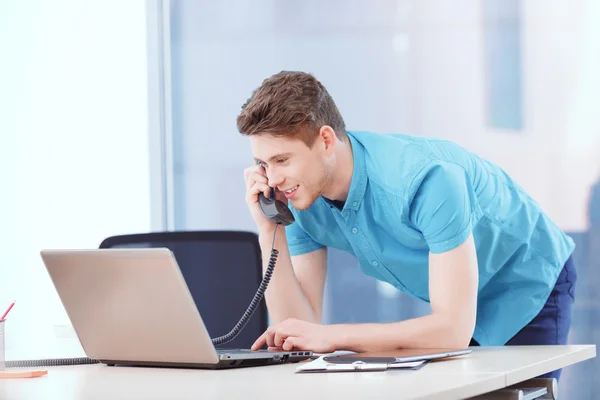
point(2, 345)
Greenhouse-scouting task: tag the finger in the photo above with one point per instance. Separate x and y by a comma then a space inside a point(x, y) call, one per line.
point(253, 172)
point(275, 349)
point(291, 343)
point(271, 337)
point(252, 175)
point(260, 342)
point(251, 194)
point(257, 188)
point(296, 343)
point(249, 181)
point(279, 339)
point(258, 177)
point(260, 169)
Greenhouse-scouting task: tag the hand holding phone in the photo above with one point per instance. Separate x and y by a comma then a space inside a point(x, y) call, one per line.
point(265, 208)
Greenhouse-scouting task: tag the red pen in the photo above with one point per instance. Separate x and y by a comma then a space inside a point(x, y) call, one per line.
point(7, 311)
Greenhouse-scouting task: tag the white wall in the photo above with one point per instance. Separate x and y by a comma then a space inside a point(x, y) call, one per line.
point(221, 51)
point(557, 154)
point(73, 149)
point(393, 66)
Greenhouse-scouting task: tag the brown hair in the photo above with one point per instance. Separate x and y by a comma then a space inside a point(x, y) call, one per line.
point(292, 104)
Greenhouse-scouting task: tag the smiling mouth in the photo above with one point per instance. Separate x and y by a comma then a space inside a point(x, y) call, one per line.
point(292, 190)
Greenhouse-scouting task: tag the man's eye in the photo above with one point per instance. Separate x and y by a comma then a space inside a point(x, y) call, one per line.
point(281, 160)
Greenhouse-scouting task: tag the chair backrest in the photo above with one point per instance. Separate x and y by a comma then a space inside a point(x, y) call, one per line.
point(222, 270)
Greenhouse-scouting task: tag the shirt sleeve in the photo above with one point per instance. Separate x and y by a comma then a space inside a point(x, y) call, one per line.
point(299, 242)
point(443, 205)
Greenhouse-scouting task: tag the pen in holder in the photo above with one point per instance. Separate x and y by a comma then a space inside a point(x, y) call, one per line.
point(2, 351)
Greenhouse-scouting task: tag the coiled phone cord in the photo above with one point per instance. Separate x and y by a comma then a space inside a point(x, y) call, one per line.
point(257, 298)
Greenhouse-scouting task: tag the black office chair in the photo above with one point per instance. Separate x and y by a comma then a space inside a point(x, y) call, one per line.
point(222, 270)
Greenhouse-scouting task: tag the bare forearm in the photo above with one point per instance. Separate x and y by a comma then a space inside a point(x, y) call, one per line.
point(284, 296)
point(431, 331)
point(453, 282)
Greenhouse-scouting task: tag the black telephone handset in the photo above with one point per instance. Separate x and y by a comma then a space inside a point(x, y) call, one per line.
point(280, 214)
point(274, 209)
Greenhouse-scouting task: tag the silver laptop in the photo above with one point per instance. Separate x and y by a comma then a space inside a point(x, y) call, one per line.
point(133, 307)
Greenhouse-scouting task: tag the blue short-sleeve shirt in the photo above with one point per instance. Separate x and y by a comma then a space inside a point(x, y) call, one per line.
point(410, 196)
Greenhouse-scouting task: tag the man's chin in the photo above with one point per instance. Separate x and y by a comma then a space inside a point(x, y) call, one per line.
point(302, 205)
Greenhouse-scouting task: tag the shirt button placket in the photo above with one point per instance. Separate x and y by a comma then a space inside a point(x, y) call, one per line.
point(366, 250)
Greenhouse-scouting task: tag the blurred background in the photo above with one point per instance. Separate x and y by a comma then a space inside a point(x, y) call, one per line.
point(119, 117)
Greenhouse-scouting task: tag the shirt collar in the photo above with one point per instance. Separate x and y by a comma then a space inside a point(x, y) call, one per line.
point(359, 175)
point(358, 185)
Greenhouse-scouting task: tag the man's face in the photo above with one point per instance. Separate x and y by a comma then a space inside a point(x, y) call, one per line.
point(292, 167)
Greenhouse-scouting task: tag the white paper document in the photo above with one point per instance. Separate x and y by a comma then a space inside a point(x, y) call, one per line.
point(321, 365)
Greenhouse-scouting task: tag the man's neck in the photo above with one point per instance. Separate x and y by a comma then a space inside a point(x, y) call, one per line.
point(339, 184)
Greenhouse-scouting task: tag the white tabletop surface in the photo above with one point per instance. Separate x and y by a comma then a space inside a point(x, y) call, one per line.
point(484, 370)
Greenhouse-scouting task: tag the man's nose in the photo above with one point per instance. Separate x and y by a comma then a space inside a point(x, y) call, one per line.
point(275, 179)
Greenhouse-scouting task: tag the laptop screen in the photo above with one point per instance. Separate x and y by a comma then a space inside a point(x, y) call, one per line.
point(223, 276)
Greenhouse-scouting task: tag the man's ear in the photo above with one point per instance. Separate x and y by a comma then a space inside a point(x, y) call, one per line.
point(328, 138)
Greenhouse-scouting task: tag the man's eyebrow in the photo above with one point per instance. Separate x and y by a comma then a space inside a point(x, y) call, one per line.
point(279, 155)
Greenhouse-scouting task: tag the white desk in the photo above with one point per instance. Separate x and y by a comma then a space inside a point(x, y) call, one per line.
point(485, 370)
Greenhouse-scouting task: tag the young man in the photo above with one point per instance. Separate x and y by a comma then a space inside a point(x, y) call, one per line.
point(425, 215)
